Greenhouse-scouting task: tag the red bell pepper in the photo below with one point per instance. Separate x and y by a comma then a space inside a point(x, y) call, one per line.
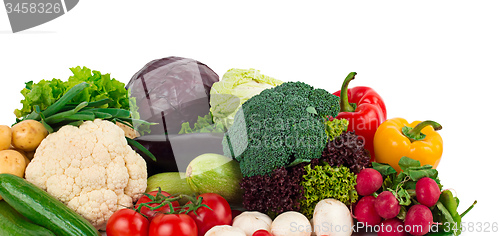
point(364, 109)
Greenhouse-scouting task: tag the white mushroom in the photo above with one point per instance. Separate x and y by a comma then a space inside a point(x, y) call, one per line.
point(335, 216)
point(251, 221)
point(225, 230)
point(291, 223)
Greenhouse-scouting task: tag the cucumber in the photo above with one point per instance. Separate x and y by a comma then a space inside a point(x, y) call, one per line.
point(14, 224)
point(40, 207)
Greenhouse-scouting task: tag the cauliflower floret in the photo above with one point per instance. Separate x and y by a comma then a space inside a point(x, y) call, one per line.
point(89, 168)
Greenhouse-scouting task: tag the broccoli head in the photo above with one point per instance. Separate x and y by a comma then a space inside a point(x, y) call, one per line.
point(279, 127)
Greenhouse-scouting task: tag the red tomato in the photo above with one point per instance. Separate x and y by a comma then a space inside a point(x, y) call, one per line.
point(261, 232)
point(150, 213)
point(172, 225)
point(127, 222)
point(218, 214)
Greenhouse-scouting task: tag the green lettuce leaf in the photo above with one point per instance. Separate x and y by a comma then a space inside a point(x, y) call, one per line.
point(42, 94)
point(203, 125)
point(46, 92)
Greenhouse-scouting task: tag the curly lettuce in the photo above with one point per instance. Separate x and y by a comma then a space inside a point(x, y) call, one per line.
point(335, 127)
point(324, 181)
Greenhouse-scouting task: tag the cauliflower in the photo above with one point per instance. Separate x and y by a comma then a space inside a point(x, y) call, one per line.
point(89, 168)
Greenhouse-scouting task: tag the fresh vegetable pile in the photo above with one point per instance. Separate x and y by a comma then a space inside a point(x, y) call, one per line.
point(178, 152)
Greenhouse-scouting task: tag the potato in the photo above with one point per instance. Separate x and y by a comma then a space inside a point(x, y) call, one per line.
point(28, 134)
point(26, 159)
point(12, 162)
point(5, 137)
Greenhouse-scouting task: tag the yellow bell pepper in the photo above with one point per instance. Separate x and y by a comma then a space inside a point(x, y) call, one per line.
point(396, 138)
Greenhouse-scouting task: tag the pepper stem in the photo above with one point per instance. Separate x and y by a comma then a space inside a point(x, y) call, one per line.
point(345, 106)
point(415, 134)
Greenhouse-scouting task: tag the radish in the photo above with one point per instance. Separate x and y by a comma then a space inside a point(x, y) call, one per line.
point(392, 227)
point(418, 220)
point(365, 211)
point(261, 232)
point(334, 214)
point(368, 181)
point(386, 205)
point(427, 191)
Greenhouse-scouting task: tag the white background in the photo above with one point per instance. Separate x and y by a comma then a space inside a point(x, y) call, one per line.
point(434, 60)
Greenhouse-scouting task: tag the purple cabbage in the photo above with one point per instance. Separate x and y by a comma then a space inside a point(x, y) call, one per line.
point(171, 91)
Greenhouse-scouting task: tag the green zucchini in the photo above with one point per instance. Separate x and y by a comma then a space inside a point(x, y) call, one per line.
point(40, 207)
point(14, 224)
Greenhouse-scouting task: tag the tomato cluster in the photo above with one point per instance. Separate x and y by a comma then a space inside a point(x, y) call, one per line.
point(192, 219)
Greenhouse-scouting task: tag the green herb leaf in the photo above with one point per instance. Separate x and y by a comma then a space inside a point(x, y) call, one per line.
point(406, 162)
point(384, 169)
point(312, 110)
point(298, 161)
point(387, 183)
point(418, 174)
point(450, 203)
point(402, 195)
point(402, 213)
point(446, 217)
point(399, 180)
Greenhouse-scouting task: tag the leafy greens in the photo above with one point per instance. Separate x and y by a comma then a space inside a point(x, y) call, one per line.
point(47, 92)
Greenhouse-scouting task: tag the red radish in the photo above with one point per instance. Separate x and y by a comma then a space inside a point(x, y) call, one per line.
point(386, 205)
point(365, 211)
point(418, 220)
point(368, 181)
point(427, 191)
point(392, 227)
point(262, 232)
